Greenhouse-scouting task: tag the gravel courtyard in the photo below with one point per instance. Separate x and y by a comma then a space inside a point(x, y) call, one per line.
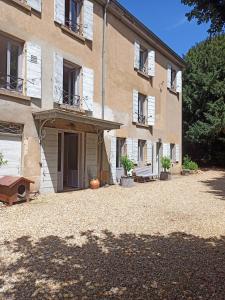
point(158, 240)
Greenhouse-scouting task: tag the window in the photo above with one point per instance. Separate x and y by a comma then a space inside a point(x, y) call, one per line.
point(172, 152)
point(72, 15)
point(120, 151)
point(10, 65)
point(143, 60)
point(71, 76)
point(142, 108)
point(141, 152)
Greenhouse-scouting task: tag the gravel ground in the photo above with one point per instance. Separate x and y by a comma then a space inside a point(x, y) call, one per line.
point(158, 240)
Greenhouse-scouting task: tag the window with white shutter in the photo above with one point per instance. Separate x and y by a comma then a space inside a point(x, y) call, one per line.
point(135, 106)
point(150, 152)
point(151, 62)
point(179, 82)
point(59, 14)
point(58, 78)
point(136, 55)
point(129, 146)
point(88, 88)
point(35, 4)
point(113, 158)
point(88, 19)
point(169, 76)
point(177, 147)
point(135, 151)
point(33, 64)
point(151, 111)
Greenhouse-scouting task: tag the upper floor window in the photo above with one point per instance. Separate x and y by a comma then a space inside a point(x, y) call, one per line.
point(76, 15)
point(11, 65)
point(144, 59)
point(142, 108)
point(72, 15)
point(71, 89)
point(174, 79)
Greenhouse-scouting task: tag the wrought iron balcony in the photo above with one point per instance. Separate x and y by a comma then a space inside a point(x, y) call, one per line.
point(143, 69)
point(72, 100)
point(75, 27)
point(141, 119)
point(11, 83)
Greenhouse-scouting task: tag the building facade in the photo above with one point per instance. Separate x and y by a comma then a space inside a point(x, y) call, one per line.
point(82, 83)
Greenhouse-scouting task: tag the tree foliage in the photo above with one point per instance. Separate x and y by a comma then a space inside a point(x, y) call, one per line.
point(208, 11)
point(204, 99)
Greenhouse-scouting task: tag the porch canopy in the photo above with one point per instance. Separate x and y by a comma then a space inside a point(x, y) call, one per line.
point(74, 117)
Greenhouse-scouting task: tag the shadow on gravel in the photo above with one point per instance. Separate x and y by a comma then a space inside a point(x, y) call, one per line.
point(128, 266)
point(217, 186)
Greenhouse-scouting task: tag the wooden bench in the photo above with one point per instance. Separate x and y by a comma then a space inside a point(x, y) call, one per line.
point(144, 174)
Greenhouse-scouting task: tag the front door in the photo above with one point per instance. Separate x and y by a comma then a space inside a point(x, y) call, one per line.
point(68, 160)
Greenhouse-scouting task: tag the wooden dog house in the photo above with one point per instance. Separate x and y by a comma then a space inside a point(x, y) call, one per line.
point(13, 189)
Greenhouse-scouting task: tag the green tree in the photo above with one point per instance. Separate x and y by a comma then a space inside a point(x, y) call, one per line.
point(204, 101)
point(205, 11)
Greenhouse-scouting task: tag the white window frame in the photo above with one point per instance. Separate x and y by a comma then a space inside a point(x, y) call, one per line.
point(74, 75)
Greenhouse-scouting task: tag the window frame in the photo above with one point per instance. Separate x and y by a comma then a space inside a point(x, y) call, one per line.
point(142, 109)
point(143, 60)
point(74, 25)
point(8, 43)
point(141, 151)
point(120, 150)
point(74, 89)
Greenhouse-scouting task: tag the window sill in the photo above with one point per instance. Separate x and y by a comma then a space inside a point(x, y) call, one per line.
point(21, 5)
point(72, 34)
point(141, 125)
point(173, 91)
point(14, 95)
point(142, 74)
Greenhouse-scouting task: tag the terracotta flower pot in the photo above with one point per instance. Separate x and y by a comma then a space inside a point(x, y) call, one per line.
point(94, 184)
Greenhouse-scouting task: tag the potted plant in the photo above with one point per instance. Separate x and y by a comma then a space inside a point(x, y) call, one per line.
point(127, 180)
point(189, 166)
point(94, 183)
point(166, 164)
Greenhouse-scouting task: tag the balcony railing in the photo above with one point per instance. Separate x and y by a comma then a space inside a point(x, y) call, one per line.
point(141, 119)
point(11, 83)
point(75, 27)
point(143, 69)
point(74, 100)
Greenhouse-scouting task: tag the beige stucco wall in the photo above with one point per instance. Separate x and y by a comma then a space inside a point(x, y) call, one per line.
point(121, 78)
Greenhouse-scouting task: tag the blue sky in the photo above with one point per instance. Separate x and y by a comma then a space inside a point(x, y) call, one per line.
point(166, 18)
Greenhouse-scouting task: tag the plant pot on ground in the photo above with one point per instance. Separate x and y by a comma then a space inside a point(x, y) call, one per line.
point(166, 164)
point(127, 180)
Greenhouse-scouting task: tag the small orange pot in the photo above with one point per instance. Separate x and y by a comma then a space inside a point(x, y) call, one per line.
point(94, 184)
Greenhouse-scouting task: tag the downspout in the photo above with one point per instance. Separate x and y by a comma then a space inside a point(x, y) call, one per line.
point(103, 83)
point(104, 57)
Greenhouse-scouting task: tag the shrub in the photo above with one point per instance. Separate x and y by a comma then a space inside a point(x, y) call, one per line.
point(2, 161)
point(188, 164)
point(127, 164)
point(166, 163)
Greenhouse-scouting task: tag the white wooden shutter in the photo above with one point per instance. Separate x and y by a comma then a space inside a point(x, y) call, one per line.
point(88, 88)
point(88, 20)
point(59, 14)
point(177, 147)
point(166, 150)
point(35, 4)
point(49, 174)
point(135, 150)
point(33, 64)
point(91, 157)
point(58, 78)
point(135, 106)
point(151, 110)
point(113, 158)
point(129, 144)
point(179, 82)
point(136, 55)
point(149, 152)
point(151, 62)
point(10, 147)
point(169, 74)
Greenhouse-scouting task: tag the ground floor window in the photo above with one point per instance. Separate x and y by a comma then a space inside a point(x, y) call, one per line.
point(141, 151)
point(172, 152)
point(120, 151)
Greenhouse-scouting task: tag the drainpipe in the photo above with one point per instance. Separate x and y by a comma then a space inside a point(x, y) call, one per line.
point(104, 56)
point(103, 82)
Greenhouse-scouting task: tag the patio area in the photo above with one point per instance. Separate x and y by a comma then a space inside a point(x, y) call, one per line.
point(158, 240)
